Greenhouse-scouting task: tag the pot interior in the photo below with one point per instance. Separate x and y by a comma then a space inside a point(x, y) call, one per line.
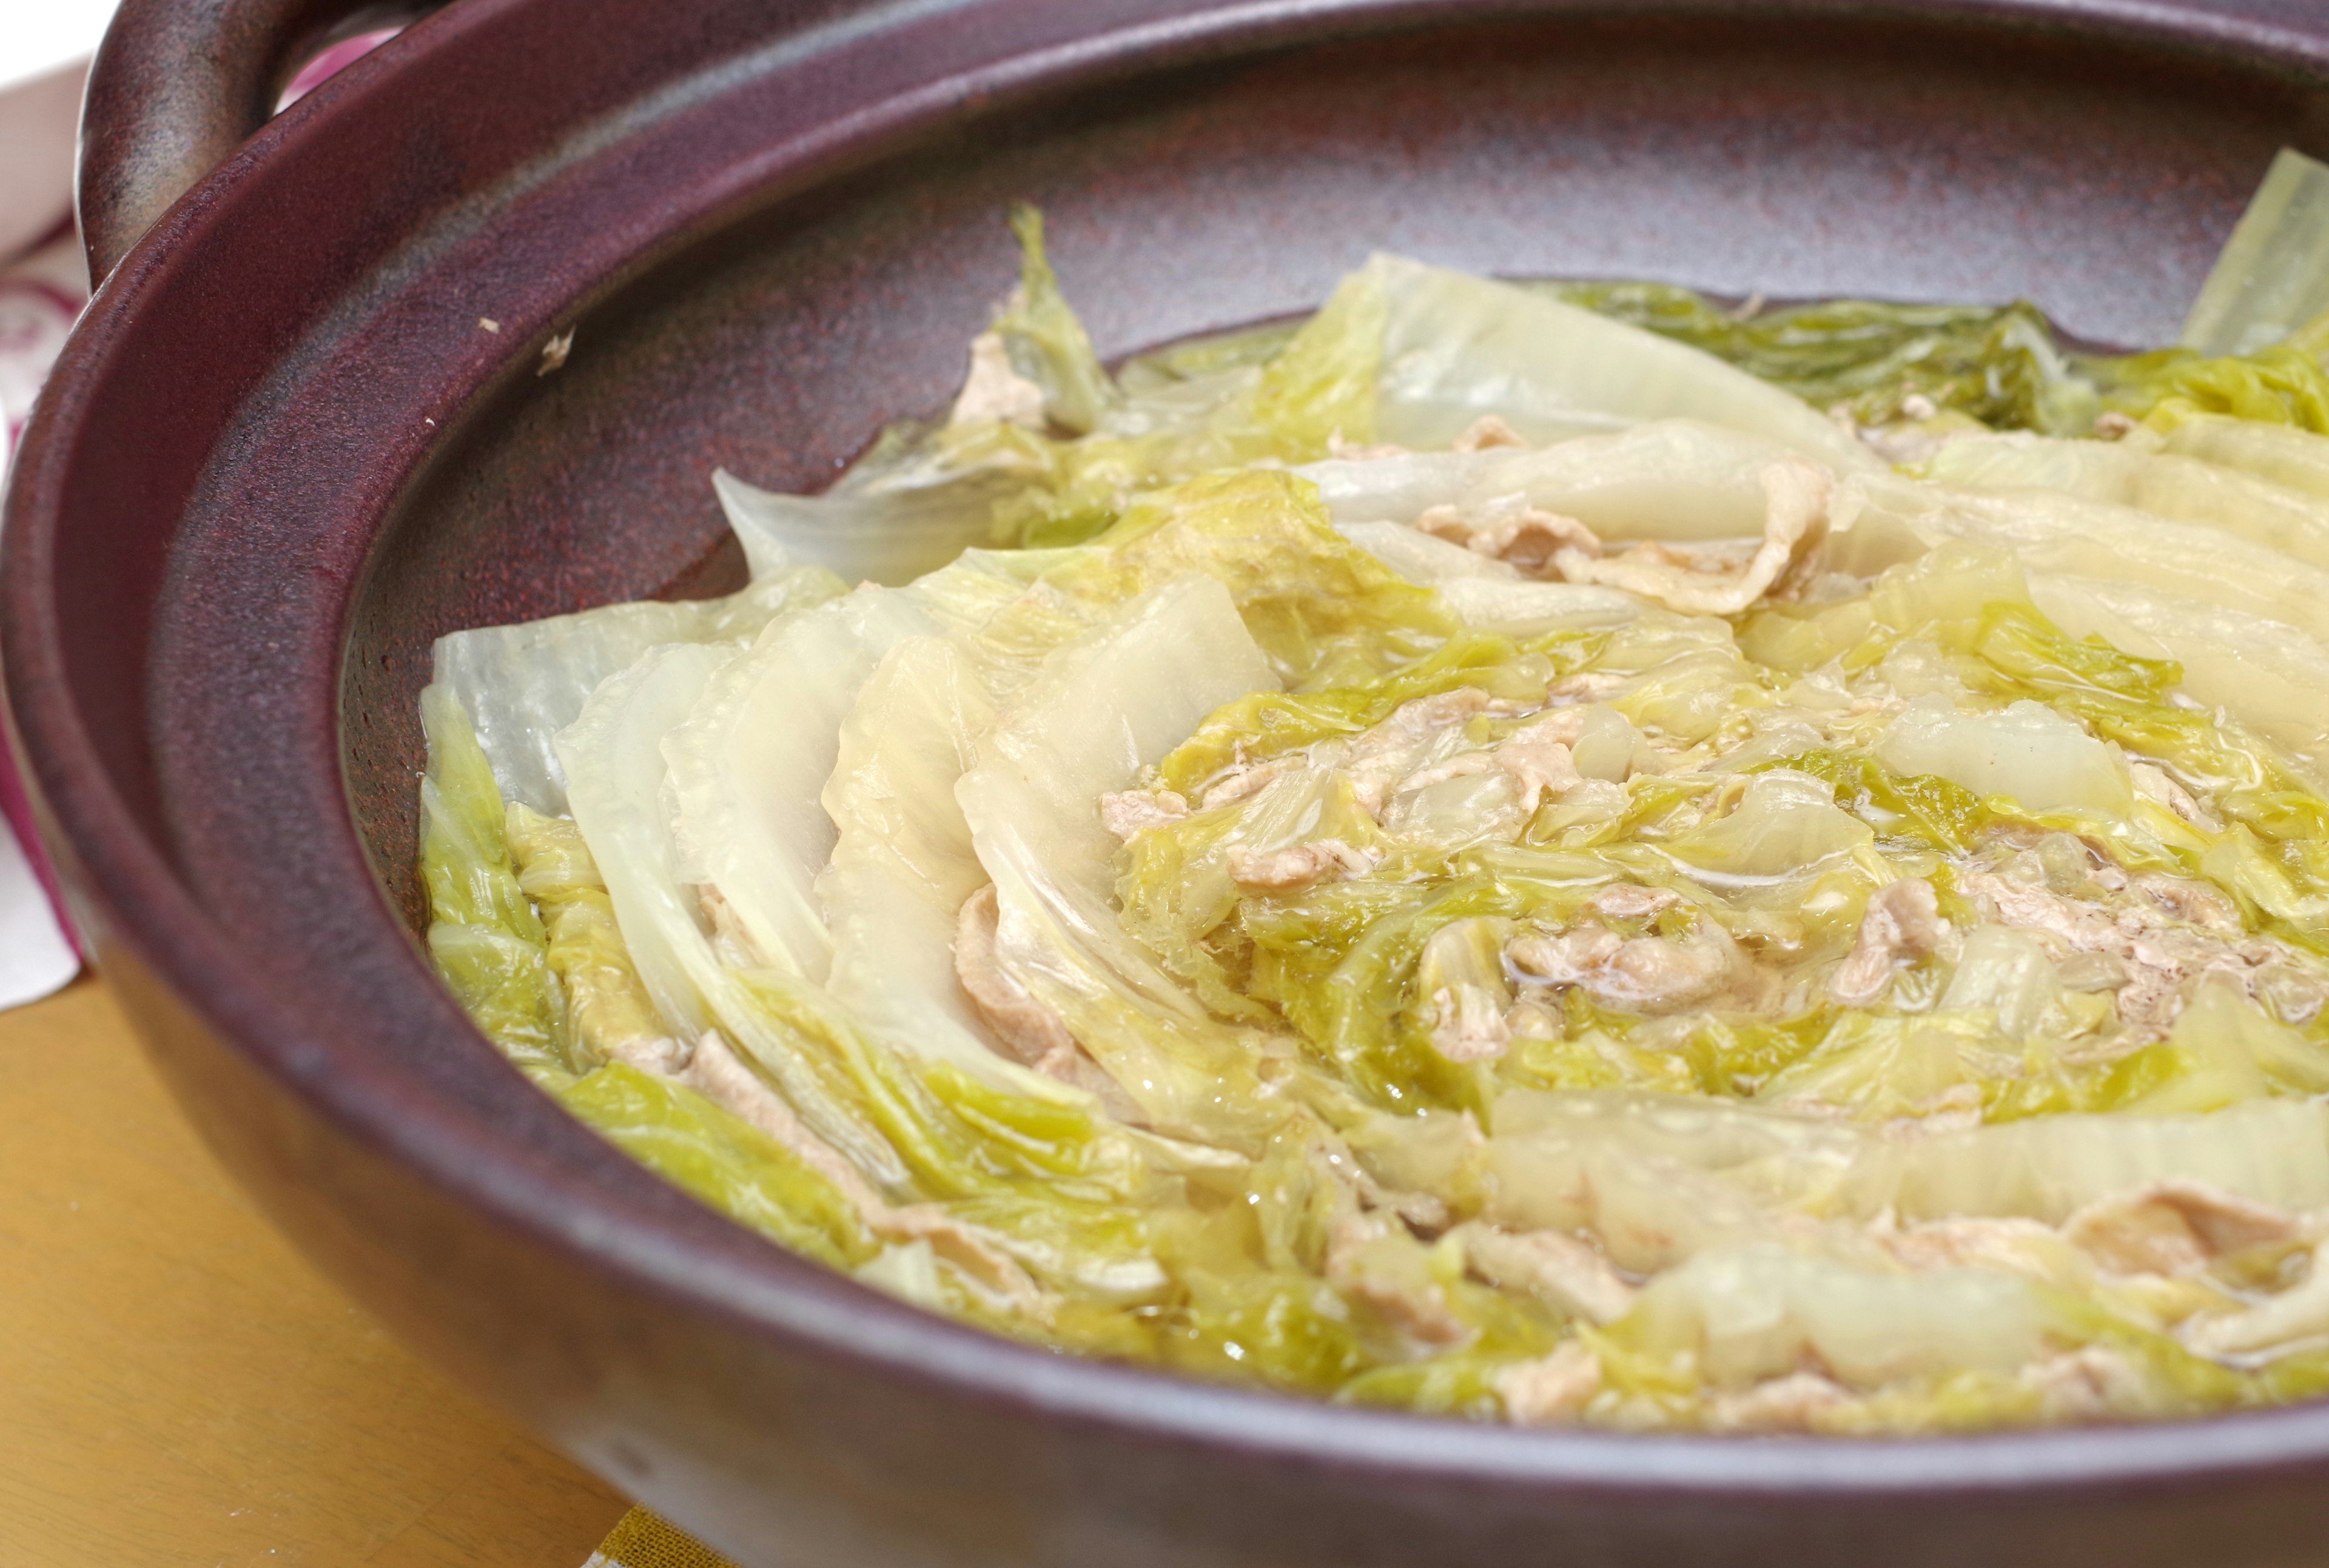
point(1897, 160)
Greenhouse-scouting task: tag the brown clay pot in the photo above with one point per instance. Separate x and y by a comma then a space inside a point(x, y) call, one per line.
point(284, 452)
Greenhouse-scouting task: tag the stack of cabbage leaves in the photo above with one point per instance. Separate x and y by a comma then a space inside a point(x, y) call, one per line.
point(1557, 854)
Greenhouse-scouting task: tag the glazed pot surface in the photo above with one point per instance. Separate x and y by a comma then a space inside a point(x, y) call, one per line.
point(305, 430)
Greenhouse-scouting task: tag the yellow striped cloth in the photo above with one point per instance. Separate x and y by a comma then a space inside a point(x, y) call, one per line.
point(644, 1541)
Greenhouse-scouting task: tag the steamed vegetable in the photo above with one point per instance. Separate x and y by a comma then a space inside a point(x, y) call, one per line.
point(1525, 852)
point(1457, 348)
point(484, 935)
point(522, 684)
point(1998, 366)
point(2272, 278)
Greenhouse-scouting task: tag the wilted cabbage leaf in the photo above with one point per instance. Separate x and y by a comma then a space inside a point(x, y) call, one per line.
point(1545, 853)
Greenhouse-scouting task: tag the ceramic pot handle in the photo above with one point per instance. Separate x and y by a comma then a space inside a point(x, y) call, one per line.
point(179, 84)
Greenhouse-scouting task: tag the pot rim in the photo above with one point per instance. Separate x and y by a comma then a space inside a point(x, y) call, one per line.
point(142, 907)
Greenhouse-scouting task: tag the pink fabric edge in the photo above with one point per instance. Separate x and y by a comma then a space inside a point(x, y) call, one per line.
point(332, 61)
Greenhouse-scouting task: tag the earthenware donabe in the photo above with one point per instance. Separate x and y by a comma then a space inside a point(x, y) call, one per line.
point(302, 432)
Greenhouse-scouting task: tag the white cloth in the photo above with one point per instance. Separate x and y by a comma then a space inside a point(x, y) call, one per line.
point(43, 54)
point(40, 296)
point(36, 959)
point(44, 51)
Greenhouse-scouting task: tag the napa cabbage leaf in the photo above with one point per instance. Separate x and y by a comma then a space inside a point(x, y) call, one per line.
point(523, 684)
point(2270, 280)
point(1104, 710)
point(484, 934)
point(1456, 348)
point(1998, 365)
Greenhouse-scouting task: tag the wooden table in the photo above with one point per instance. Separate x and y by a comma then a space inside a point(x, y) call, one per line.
point(179, 1390)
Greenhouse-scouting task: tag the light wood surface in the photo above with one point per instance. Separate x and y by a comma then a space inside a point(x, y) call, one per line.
point(179, 1390)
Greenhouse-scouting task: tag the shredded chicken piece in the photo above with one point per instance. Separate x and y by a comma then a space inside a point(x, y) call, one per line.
point(1487, 432)
point(1904, 922)
point(1541, 767)
point(993, 390)
point(1532, 540)
point(1377, 759)
point(1127, 813)
point(2088, 1384)
point(1444, 521)
point(2154, 781)
point(1510, 530)
point(2162, 964)
point(2173, 1227)
point(1551, 1390)
point(2162, 960)
point(1567, 959)
point(2110, 425)
point(1652, 974)
point(1649, 974)
point(2154, 992)
point(1468, 1024)
point(1631, 901)
point(1796, 519)
point(1027, 1030)
point(2026, 907)
point(1281, 870)
point(714, 1070)
point(1795, 1403)
point(1247, 780)
point(1559, 1270)
point(2194, 902)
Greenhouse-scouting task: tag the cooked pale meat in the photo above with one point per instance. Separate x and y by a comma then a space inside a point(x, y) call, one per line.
point(1903, 924)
